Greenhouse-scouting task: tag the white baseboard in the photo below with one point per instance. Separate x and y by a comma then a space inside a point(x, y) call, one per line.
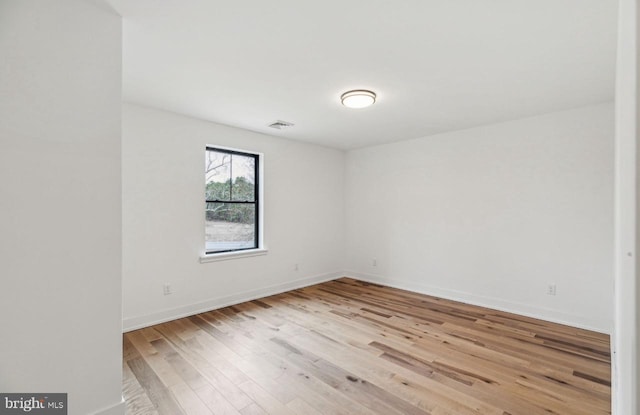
point(134, 323)
point(540, 313)
point(117, 409)
point(554, 316)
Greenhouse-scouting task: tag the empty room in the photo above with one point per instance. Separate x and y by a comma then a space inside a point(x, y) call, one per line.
point(281, 208)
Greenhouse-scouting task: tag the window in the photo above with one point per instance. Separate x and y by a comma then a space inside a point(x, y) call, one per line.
point(232, 208)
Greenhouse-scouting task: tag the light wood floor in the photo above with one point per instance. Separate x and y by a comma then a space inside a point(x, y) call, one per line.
point(348, 347)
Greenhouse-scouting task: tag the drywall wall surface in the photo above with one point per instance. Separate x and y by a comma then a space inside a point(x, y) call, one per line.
point(493, 215)
point(60, 227)
point(163, 217)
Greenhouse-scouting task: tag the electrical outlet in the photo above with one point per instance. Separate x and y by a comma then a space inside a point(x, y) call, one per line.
point(374, 262)
point(296, 267)
point(166, 289)
point(551, 289)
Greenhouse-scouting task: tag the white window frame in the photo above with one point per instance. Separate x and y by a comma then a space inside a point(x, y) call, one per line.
point(244, 253)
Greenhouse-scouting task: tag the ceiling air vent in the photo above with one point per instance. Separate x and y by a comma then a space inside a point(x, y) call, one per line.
point(279, 125)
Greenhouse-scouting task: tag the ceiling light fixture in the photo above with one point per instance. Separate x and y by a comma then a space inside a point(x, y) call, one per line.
point(358, 98)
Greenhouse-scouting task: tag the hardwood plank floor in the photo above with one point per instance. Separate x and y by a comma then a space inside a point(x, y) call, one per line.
point(349, 347)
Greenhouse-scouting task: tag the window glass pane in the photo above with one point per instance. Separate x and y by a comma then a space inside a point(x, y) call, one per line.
point(243, 171)
point(218, 175)
point(230, 226)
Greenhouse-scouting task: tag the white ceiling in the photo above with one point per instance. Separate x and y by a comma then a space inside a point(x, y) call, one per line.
point(436, 65)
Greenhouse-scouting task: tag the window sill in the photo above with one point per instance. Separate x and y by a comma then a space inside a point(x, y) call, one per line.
point(232, 255)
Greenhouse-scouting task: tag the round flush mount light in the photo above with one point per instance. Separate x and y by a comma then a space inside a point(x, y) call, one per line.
point(358, 98)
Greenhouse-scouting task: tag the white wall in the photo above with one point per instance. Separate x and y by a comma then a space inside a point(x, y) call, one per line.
point(627, 227)
point(163, 217)
point(492, 215)
point(60, 241)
